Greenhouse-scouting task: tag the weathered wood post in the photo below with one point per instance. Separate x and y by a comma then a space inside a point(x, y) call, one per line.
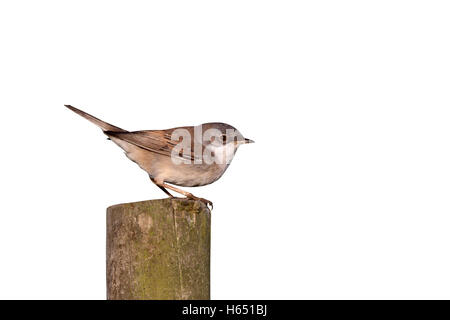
point(158, 249)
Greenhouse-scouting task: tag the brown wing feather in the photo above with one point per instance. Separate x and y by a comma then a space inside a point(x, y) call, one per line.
point(158, 141)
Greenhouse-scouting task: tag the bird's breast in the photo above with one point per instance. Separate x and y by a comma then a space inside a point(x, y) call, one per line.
point(192, 174)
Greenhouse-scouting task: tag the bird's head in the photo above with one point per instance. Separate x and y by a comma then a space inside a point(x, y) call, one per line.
point(219, 133)
point(223, 140)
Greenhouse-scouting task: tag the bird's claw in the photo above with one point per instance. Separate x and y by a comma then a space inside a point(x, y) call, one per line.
point(207, 203)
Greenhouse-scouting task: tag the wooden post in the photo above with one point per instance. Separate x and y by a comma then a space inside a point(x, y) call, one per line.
point(158, 249)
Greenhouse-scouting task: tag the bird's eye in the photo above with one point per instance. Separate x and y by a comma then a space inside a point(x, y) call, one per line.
point(224, 138)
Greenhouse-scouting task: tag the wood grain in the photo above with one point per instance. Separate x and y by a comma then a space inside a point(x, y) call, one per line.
point(158, 250)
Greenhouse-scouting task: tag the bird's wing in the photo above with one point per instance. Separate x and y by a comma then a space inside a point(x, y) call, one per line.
point(157, 141)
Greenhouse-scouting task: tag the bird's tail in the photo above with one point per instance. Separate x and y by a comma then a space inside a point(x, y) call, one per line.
point(102, 124)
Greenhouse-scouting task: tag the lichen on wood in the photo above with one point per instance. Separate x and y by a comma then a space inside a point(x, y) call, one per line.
point(158, 249)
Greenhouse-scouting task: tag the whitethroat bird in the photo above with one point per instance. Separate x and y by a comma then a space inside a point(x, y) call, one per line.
point(183, 156)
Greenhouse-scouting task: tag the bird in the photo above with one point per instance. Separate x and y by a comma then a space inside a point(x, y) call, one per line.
point(188, 156)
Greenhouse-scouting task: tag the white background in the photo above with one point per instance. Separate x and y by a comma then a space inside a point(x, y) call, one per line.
point(345, 193)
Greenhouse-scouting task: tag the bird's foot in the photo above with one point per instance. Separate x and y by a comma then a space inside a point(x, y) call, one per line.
point(205, 201)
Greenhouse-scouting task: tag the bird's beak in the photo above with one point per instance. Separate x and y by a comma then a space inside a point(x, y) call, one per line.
point(248, 141)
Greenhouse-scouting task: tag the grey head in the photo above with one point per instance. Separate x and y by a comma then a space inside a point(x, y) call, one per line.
point(219, 142)
point(222, 133)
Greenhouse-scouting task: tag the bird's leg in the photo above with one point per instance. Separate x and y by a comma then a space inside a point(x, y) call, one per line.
point(162, 188)
point(185, 193)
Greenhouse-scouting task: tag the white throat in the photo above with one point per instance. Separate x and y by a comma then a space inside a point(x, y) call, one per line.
point(222, 154)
